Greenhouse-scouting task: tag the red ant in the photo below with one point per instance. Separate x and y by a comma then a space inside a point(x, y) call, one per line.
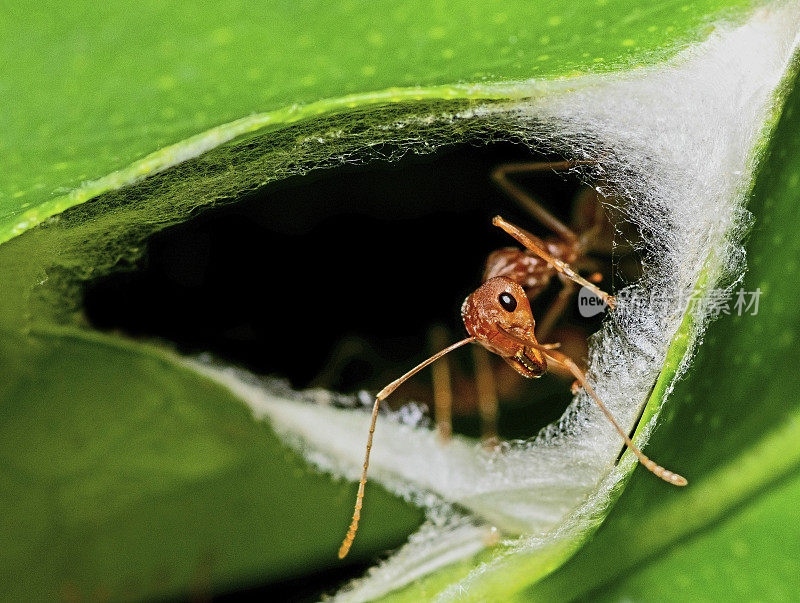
point(535, 275)
point(498, 315)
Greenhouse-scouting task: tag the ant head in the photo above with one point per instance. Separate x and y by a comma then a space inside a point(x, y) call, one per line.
point(498, 315)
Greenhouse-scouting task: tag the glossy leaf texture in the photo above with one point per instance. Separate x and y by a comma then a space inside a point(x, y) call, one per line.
point(125, 474)
point(88, 95)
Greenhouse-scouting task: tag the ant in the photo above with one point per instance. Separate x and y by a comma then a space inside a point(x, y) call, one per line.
point(498, 316)
point(535, 275)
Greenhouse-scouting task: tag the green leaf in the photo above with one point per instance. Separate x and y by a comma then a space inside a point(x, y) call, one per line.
point(96, 104)
point(165, 486)
point(734, 421)
point(126, 473)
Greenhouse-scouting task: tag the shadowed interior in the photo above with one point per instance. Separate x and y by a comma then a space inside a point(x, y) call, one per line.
point(335, 279)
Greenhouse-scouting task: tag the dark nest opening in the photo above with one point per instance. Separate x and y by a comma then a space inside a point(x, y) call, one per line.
point(335, 279)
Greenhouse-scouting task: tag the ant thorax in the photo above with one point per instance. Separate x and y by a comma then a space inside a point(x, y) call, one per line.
point(523, 267)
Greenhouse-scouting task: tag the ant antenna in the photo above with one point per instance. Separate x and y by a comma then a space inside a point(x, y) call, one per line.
point(566, 361)
point(537, 246)
point(382, 395)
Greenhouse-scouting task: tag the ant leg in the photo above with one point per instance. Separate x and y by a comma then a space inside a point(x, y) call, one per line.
point(537, 246)
point(589, 218)
point(665, 474)
point(442, 391)
point(527, 201)
point(556, 309)
point(602, 229)
point(487, 393)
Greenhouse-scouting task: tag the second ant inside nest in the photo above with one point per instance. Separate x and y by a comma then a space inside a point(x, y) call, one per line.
point(498, 315)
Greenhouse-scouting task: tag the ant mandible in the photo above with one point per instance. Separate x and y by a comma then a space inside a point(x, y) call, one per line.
point(498, 314)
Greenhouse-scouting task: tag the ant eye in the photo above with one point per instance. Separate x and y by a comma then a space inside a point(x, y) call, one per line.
point(507, 301)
